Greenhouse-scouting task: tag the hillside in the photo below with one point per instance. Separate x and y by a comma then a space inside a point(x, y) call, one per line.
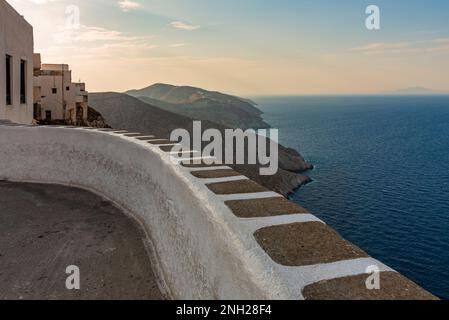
point(227, 110)
point(122, 111)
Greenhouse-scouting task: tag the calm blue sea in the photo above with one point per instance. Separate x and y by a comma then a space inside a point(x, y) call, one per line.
point(381, 176)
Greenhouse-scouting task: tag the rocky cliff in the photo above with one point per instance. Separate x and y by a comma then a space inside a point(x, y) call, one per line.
point(122, 111)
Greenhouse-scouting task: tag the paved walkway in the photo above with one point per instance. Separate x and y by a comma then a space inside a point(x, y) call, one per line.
point(45, 228)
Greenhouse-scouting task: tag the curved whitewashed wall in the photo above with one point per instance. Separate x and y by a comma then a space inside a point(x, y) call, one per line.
point(203, 251)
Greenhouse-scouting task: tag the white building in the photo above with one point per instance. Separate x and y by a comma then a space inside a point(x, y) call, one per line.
point(16, 67)
point(57, 98)
point(82, 100)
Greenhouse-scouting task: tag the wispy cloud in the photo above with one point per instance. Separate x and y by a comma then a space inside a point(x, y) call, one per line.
point(127, 5)
point(178, 45)
point(91, 34)
point(442, 40)
point(434, 45)
point(439, 49)
point(381, 47)
point(42, 1)
point(93, 43)
point(184, 26)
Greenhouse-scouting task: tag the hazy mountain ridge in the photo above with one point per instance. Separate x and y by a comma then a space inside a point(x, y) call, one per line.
point(122, 111)
point(200, 104)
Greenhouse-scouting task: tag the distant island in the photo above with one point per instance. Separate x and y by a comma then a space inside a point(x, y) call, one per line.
point(415, 91)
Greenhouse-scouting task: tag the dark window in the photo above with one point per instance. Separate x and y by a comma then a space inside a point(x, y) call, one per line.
point(67, 88)
point(54, 90)
point(8, 80)
point(48, 115)
point(23, 95)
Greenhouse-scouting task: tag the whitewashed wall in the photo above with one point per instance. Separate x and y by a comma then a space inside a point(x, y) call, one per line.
point(201, 250)
point(16, 40)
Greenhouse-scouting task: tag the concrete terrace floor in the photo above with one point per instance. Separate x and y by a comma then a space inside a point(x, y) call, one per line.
point(45, 228)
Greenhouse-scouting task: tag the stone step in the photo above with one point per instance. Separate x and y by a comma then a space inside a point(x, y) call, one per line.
point(393, 286)
point(161, 141)
point(209, 174)
point(132, 135)
point(145, 138)
point(184, 152)
point(256, 208)
point(188, 164)
point(308, 243)
point(236, 187)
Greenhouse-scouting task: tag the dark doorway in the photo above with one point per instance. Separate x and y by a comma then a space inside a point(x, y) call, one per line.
point(37, 112)
point(79, 114)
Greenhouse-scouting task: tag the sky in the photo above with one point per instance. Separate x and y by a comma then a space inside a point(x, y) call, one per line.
point(250, 47)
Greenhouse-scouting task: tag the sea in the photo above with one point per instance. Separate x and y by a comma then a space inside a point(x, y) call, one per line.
point(381, 175)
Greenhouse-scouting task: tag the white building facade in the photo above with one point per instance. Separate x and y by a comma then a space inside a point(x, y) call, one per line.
point(16, 66)
point(57, 98)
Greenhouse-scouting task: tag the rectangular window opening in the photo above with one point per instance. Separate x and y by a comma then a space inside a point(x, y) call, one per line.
point(8, 80)
point(23, 95)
